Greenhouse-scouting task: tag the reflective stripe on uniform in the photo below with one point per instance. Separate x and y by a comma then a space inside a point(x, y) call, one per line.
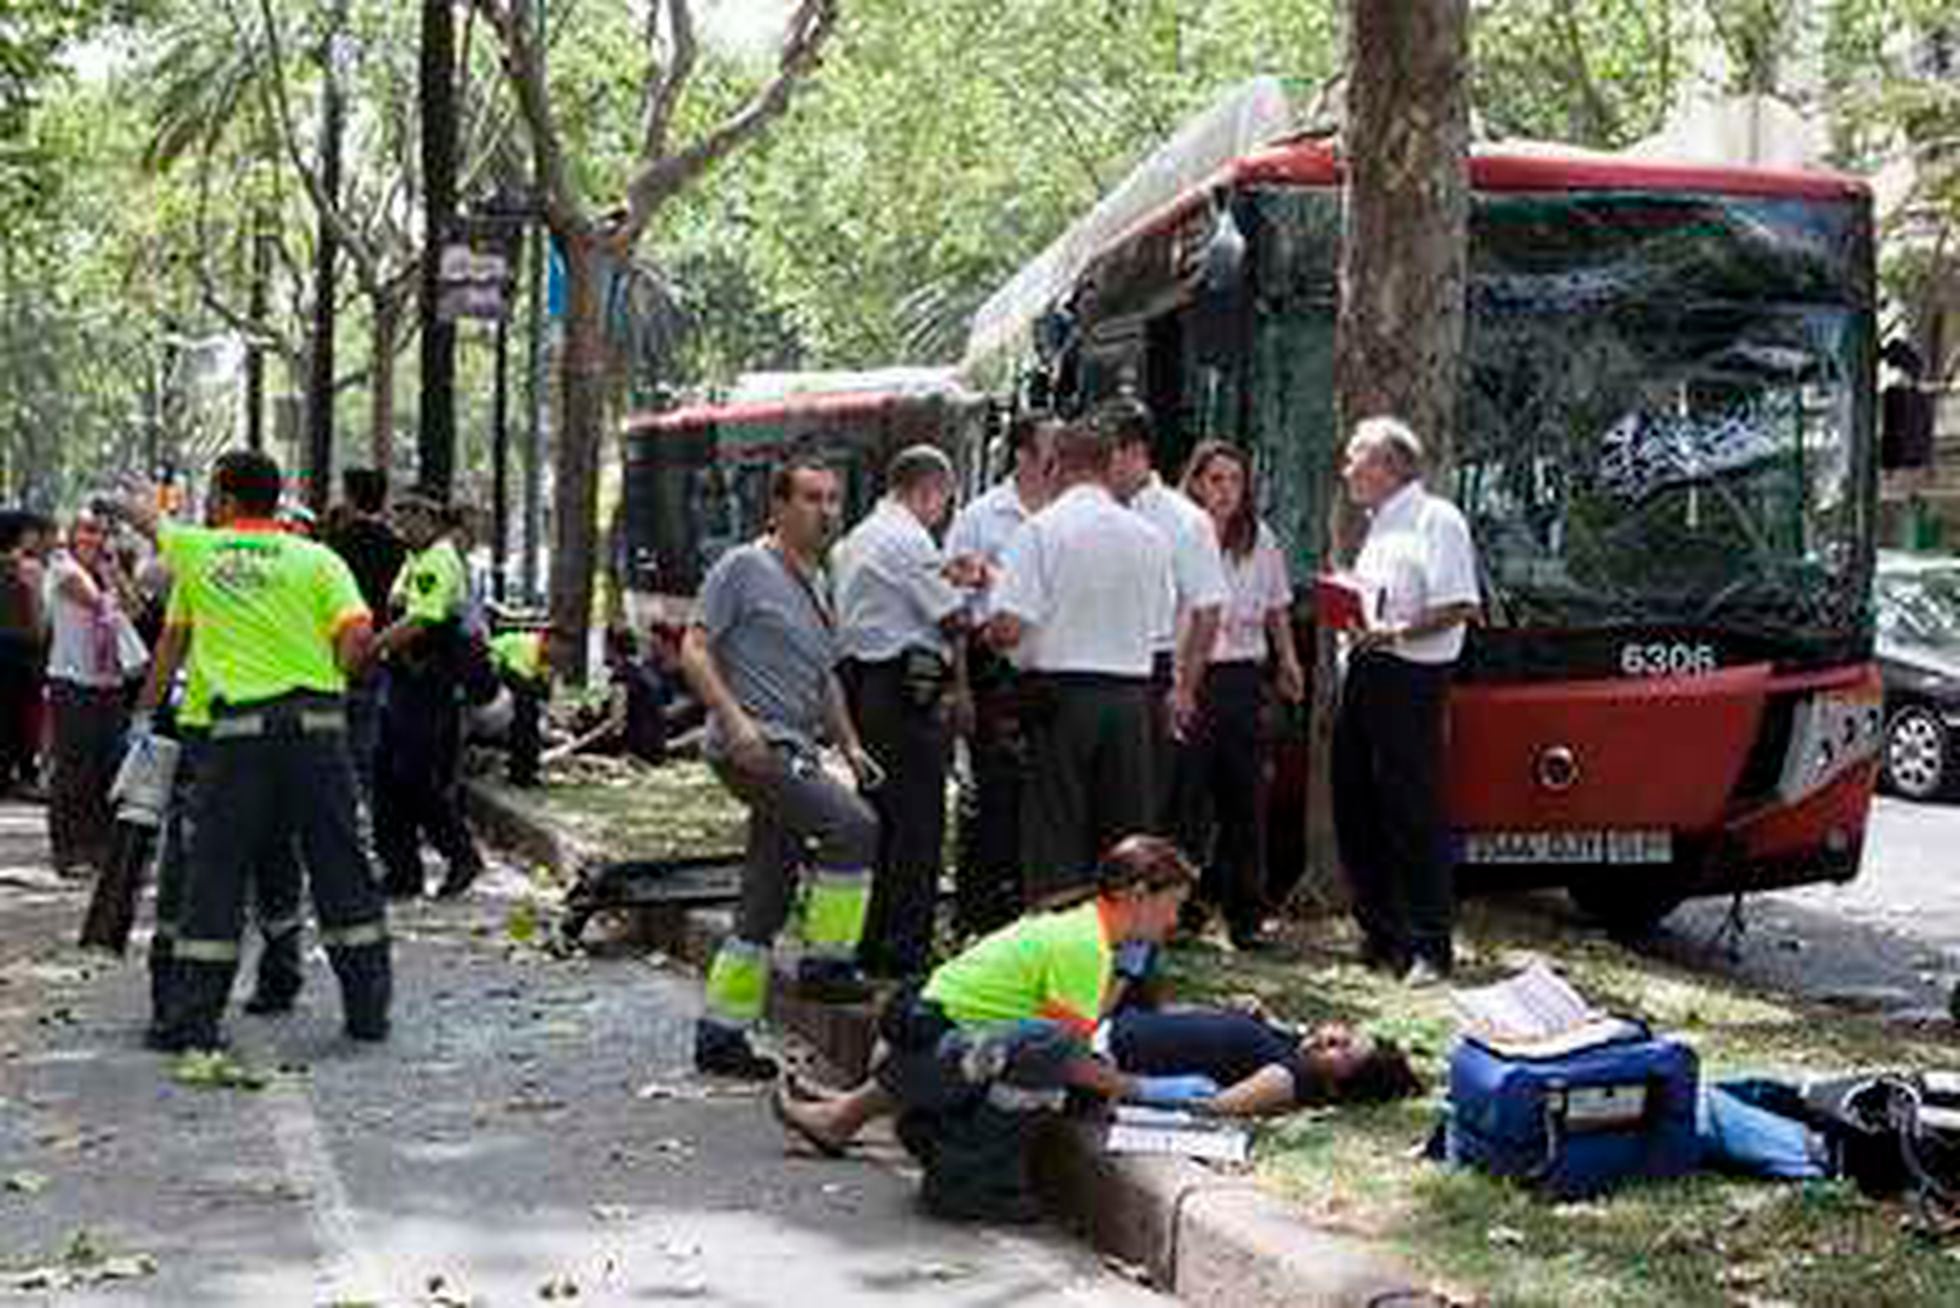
point(834, 913)
point(738, 982)
point(312, 722)
point(278, 927)
point(1020, 1099)
point(205, 951)
point(350, 937)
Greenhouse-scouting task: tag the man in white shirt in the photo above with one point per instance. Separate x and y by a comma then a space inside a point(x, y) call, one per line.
point(1183, 651)
point(987, 891)
point(896, 614)
point(1084, 595)
point(1419, 568)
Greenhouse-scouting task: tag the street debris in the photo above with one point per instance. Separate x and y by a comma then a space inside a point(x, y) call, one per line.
point(558, 1288)
point(215, 1070)
point(83, 1262)
point(26, 1183)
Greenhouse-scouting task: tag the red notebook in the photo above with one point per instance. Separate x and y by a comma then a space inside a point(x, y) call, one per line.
point(1341, 601)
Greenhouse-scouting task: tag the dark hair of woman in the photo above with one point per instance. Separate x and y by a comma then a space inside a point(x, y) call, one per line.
point(1380, 1076)
point(1241, 531)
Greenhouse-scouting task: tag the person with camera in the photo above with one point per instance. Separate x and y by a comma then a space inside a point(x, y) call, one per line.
point(895, 614)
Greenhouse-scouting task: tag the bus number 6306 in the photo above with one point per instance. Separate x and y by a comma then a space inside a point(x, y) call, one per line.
point(1666, 659)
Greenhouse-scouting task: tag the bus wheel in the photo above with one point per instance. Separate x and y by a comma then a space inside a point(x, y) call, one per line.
point(1627, 912)
point(1916, 744)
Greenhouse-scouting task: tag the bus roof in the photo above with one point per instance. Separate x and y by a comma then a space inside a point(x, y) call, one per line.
point(790, 409)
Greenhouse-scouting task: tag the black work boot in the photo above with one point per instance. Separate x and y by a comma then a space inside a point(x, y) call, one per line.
point(725, 1051)
point(366, 986)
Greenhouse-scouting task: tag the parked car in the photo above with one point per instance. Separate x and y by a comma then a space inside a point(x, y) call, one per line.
point(1919, 656)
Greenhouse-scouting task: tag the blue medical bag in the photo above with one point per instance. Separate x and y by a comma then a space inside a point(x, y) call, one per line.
point(1579, 1123)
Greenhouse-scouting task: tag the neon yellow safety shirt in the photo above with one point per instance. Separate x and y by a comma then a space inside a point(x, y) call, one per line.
point(520, 653)
point(1054, 966)
point(264, 608)
point(433, 585)
point(181, 545)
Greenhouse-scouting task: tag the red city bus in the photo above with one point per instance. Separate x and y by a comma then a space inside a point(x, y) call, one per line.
point(1667, 457)
point(697, 478)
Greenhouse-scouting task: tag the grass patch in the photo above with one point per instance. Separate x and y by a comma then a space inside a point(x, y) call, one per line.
point(635, 811)
point(1708, 1240)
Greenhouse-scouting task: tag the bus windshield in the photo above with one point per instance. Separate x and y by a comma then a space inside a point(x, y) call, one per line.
point(1668, 413)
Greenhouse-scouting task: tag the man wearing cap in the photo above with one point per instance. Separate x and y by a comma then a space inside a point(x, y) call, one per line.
point(1085, 592)
point(895, 612)
point(273, 623)
point(418, 763)
point(761, 654)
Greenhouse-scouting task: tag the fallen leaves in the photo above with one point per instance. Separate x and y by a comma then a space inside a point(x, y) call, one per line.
point(25, 1183)
point(83, 1262)
point(215, 1070)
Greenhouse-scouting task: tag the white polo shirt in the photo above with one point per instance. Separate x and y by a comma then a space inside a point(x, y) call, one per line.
point(1092, 583)
point(1259, 585)
point(984, 527)
point(1418, 556)
point(890, 589)
point(1197, 568)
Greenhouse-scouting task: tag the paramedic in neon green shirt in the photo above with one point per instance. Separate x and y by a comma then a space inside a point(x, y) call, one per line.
point(522, 660)
point(998, 1034)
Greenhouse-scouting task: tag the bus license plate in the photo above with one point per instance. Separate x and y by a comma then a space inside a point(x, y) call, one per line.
point(1583, 846)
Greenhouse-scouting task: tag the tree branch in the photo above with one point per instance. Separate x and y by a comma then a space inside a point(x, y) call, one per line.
point(517, 34)
point(661, 176)
point(672, 80)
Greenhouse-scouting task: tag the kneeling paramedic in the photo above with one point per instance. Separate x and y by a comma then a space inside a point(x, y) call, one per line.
point(523, 663)
point(274, 623)
point(998, 1035)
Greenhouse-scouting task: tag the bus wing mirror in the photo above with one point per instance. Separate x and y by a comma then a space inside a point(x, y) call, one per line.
point(1906, 428)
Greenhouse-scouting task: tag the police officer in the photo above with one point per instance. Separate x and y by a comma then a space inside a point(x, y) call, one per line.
point(895, 613)
point(988, 881)
point(1084, 595)
point(1181, 652)
point(762, 653)
point(278, 623)
point(425, 649)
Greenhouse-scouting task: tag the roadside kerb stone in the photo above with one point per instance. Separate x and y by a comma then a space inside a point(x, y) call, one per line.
point(1206, 1236)
point(514, 823)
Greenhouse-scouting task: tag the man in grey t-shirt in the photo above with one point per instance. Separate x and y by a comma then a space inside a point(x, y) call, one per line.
point(761, 655)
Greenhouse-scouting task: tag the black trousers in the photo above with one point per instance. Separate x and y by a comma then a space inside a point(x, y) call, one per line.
point(417, 779)
point(271, 775)
point(1221, 792)
point(907, 733)
point(86, 746)
point(1388, 805)
point(276, 887)
point(987, 883)
point(528, 696)
point(1090, 780)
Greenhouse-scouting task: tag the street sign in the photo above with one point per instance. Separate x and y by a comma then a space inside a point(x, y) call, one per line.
point(474, 283)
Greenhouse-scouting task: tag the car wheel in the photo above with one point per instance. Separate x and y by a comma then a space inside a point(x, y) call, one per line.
point(1628, 912)
point(1916, 745)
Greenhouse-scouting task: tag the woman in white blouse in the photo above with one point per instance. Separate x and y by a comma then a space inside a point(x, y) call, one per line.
point(1222, 768)
point(93, 653)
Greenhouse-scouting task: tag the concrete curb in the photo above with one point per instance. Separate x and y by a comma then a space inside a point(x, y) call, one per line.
point(1208, 1237)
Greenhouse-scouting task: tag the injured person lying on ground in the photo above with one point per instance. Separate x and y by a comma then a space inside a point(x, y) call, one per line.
point(996, 1037)
point(1261, 1068)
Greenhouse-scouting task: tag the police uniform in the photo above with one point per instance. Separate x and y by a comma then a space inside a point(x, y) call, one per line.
point(891, 601)
point(264, 610)
point(277, 881)
point(1091, 583)
point(987, 883)
point(519, 658)
point(417, 773)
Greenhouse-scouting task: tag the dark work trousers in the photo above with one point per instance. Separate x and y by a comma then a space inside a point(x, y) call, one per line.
point(272, 774)
point(798, 815)
point(20, 693)
point(1162, 816)
point(1388, 806)
point(89, 725)
point(277, 884)
point(364, 730)
point(1221, 780)
point(417, 779)
point(905, 730)
point(987, 885)
point(1089, 775)
point(527, 700)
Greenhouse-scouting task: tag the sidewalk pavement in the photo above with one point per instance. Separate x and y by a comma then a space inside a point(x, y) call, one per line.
point(1210, 1237)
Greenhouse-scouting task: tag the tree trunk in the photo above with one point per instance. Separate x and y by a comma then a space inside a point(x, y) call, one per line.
point(381, 398)
point(436, 443)
point(1404, 270)
point(581, 437)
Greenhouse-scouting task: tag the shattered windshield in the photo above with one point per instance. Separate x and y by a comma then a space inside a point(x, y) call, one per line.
point(1920, 606)
point(1668, 417)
